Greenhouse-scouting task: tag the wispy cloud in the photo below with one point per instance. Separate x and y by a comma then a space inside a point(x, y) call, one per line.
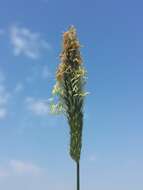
point(92, 158)
point(18, 167)
point(2, 77)
point(21, 167)
point(19, 87)
point(37, 107)
point(38, 73)
point(1, 31)
point(4, 173)
point(3, 112)
point(4, 97)
point(45, 1)
point(46, 74)
point(26, 42)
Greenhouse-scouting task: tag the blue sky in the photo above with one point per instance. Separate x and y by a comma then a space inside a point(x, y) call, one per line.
point(34, 145)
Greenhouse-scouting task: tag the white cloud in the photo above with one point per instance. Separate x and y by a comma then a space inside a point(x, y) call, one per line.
point(26, 42)
point(18, 167)
point(38, 107)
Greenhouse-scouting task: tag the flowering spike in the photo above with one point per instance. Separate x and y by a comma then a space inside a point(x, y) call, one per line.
point(69, 88)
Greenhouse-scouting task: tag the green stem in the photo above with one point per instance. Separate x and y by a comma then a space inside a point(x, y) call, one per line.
point(78, 175)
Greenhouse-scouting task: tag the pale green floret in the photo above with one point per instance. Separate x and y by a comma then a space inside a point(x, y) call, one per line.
point(56, 89)
point(56, 108)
